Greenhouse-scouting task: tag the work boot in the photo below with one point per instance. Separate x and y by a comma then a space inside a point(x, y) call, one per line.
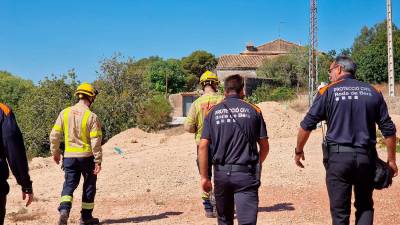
point(64, 214)
point(90, 221)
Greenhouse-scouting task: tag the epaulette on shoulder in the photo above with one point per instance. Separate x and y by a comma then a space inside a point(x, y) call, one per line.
point(325, 88)
point(376, 89)
point(258, 110)
point(6, 110)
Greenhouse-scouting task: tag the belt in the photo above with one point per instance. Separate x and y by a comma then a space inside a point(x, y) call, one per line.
point(346, 149)
point(235, 168)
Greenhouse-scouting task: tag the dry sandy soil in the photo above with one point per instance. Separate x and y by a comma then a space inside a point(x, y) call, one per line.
point(155, 181)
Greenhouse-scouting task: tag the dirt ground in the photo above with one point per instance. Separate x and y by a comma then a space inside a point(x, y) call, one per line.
point(155, 181)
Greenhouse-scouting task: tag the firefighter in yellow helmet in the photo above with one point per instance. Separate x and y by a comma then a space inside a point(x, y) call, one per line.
point(194, 123)
point(82, 154)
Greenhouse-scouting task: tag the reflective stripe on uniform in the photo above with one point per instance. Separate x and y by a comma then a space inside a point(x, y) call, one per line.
point(57, 128)
point(86, 147)
point(96, 133)
point(66, 128)
point(87, 205)
point(66, 198)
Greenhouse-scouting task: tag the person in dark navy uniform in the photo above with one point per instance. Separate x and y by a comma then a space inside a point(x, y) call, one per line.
point(351, 109)
point(233, 128)
point(12, 150)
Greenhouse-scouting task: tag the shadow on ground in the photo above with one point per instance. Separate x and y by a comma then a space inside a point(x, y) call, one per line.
point(142, 219)
point(286, 206)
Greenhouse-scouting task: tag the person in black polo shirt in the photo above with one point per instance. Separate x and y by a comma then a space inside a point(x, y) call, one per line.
point(351, 109)
point(233, 128)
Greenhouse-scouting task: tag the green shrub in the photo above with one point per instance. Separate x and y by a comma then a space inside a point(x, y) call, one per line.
point(282, 94)
point(12, 88)
point(268, 93)
point(154, 114)
point(39, 108)
point(261, 94)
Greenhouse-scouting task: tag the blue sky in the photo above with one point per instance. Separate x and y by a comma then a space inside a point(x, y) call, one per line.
point(44, 37)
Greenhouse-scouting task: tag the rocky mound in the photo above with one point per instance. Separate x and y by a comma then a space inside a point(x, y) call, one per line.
point(281, 120)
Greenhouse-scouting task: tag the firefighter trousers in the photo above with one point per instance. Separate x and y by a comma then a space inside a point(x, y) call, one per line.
point(75, 168)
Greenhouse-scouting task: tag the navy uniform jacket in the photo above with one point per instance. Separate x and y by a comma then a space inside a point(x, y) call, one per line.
point(12, 149)
point(230, 143)
point(351, 109)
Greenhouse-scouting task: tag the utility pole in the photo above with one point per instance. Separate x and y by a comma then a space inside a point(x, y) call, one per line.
point(390, 47)
point(312, 52)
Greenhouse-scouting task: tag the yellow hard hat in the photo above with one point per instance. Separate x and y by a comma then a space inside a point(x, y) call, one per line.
point(86, 89)
point(209, 76)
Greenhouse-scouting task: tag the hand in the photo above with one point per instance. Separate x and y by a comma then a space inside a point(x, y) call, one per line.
point(57, 158)
point(392, 164)
point(30, 198)
point(206, 185)
point(97, 169)
point(297, 159)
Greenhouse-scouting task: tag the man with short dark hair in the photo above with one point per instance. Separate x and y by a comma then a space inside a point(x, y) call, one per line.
point(351, 109)
point(12, 150)
point(233, 128)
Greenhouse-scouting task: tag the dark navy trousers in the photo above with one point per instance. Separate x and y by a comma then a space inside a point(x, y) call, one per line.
point(344, 171)
point(75, 168)
point(238, 189)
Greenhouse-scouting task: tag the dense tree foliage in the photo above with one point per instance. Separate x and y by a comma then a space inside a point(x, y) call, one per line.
point(39, 108)
point(369, 51)
point(12, 88)
point(167, 74)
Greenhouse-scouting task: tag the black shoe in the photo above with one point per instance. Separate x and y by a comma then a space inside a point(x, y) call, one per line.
point(64, 214)
point(91, 221)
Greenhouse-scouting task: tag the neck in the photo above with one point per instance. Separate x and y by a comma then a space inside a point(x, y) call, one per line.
point(233, 93)
point(85, 102)
point(208, 90)
point(341, 76)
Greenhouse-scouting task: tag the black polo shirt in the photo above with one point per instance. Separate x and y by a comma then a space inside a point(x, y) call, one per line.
point(233, 135)
point(351, 109)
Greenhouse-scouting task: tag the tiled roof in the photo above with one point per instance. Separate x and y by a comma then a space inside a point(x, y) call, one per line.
point(276, 47)
point(240, 61)
point(253, 57)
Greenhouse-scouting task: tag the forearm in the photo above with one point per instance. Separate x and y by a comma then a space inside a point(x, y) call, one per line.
point(203, 158)
point(55, 138)
point(97, 149)
point(390, 143)
point(302, 138)
point(264, 149)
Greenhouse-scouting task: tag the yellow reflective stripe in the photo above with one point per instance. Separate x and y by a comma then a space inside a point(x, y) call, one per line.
point(86, 205)
point(77, 149)
point(96, 133)
point(66, 198)
point(84, 128)
point(66, 132)
point(57, 128)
